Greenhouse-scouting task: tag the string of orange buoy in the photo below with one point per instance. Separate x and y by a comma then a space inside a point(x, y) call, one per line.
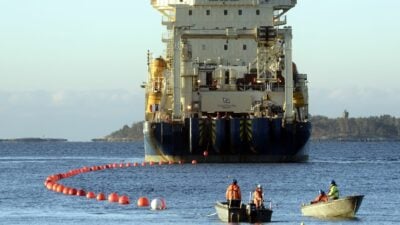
point(52, 184)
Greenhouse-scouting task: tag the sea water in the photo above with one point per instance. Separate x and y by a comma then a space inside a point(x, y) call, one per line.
point(367, 168)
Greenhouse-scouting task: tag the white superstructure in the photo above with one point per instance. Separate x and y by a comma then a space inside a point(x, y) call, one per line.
point(226, 56)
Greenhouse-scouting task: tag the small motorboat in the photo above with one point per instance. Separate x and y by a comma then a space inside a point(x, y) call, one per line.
point(346, 207)
point(244, 213)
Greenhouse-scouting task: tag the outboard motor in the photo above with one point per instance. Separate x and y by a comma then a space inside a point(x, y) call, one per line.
point(251, 212)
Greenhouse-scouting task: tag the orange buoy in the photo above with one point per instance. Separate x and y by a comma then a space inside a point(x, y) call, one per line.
point(180, 162)
point(49, 185)
point(66, 190)
point(143, 202)
point(170, 162)
point(54, 188)
point(135, 164)
point(115, 165)
point(48, 180)
point(113, 197)
point(151, 163)
point(160, 163)
point(127, 164)
point(123, 200)
point(90, 194)
point(121, 165)
point(205, 153)
point(60, 188)
point(81, 192)
point(143, 163)
point(101, 197)
point(194, 161)
point(72, 191)
point(85, 169)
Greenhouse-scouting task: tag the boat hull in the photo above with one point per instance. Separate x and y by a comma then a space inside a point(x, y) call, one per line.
point(245, 213)
point(226, 140)
point(346, 207)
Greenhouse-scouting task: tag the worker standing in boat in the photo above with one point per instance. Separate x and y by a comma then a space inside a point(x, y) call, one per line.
point(258, 197)
point(322, 197)
point(333, 191)
point(233, 194)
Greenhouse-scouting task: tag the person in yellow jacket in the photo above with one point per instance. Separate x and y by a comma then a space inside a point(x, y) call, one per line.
point(258, 197)
point(333, 191)
point(233, 194)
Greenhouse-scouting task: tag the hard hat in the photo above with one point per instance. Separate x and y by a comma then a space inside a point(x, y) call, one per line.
point(259, 186)
point(333, 182)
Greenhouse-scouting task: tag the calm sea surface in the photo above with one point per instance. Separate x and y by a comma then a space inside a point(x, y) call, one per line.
point(368, 168)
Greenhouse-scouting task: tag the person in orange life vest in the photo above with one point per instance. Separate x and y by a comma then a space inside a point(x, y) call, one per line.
point(322, 197)
point(258, 197)
point(233, 195)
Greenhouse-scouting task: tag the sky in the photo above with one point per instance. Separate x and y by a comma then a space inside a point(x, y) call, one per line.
point(73, 68)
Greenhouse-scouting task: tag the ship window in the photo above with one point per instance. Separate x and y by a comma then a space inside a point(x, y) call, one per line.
point(208, 12)
point(225, 12)
point(257, 12)
point(209, 79)
point(240, 12)
point(244, 47)
point(225, 47)
point(227, 77)
point(190, 12)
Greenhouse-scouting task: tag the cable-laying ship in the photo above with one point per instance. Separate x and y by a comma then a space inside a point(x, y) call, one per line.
point(226, 89)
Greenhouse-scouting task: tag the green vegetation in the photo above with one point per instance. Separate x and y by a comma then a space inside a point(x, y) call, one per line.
point(374, 128)
point(126, 133)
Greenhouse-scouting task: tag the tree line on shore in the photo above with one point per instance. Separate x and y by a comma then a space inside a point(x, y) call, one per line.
point(377, 128)
point(373, 128)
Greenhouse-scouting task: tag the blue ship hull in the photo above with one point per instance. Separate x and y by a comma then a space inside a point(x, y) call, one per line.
point(226, 140)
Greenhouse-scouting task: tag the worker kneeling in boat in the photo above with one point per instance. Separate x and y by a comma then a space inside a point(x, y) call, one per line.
point(258, 197)
point(233, 195)
point(322, 197)
point(333, 191)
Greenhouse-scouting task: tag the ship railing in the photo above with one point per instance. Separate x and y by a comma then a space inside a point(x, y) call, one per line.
point(249, 87)
point(279, 22)
point(166, 37)
point(166, 3)
point(242, 87)
point(168, 20)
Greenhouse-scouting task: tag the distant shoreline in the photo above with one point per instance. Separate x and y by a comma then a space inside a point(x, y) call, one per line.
point(356, 139)
point(312, 139)
point(34, 140)
point(116, 139)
